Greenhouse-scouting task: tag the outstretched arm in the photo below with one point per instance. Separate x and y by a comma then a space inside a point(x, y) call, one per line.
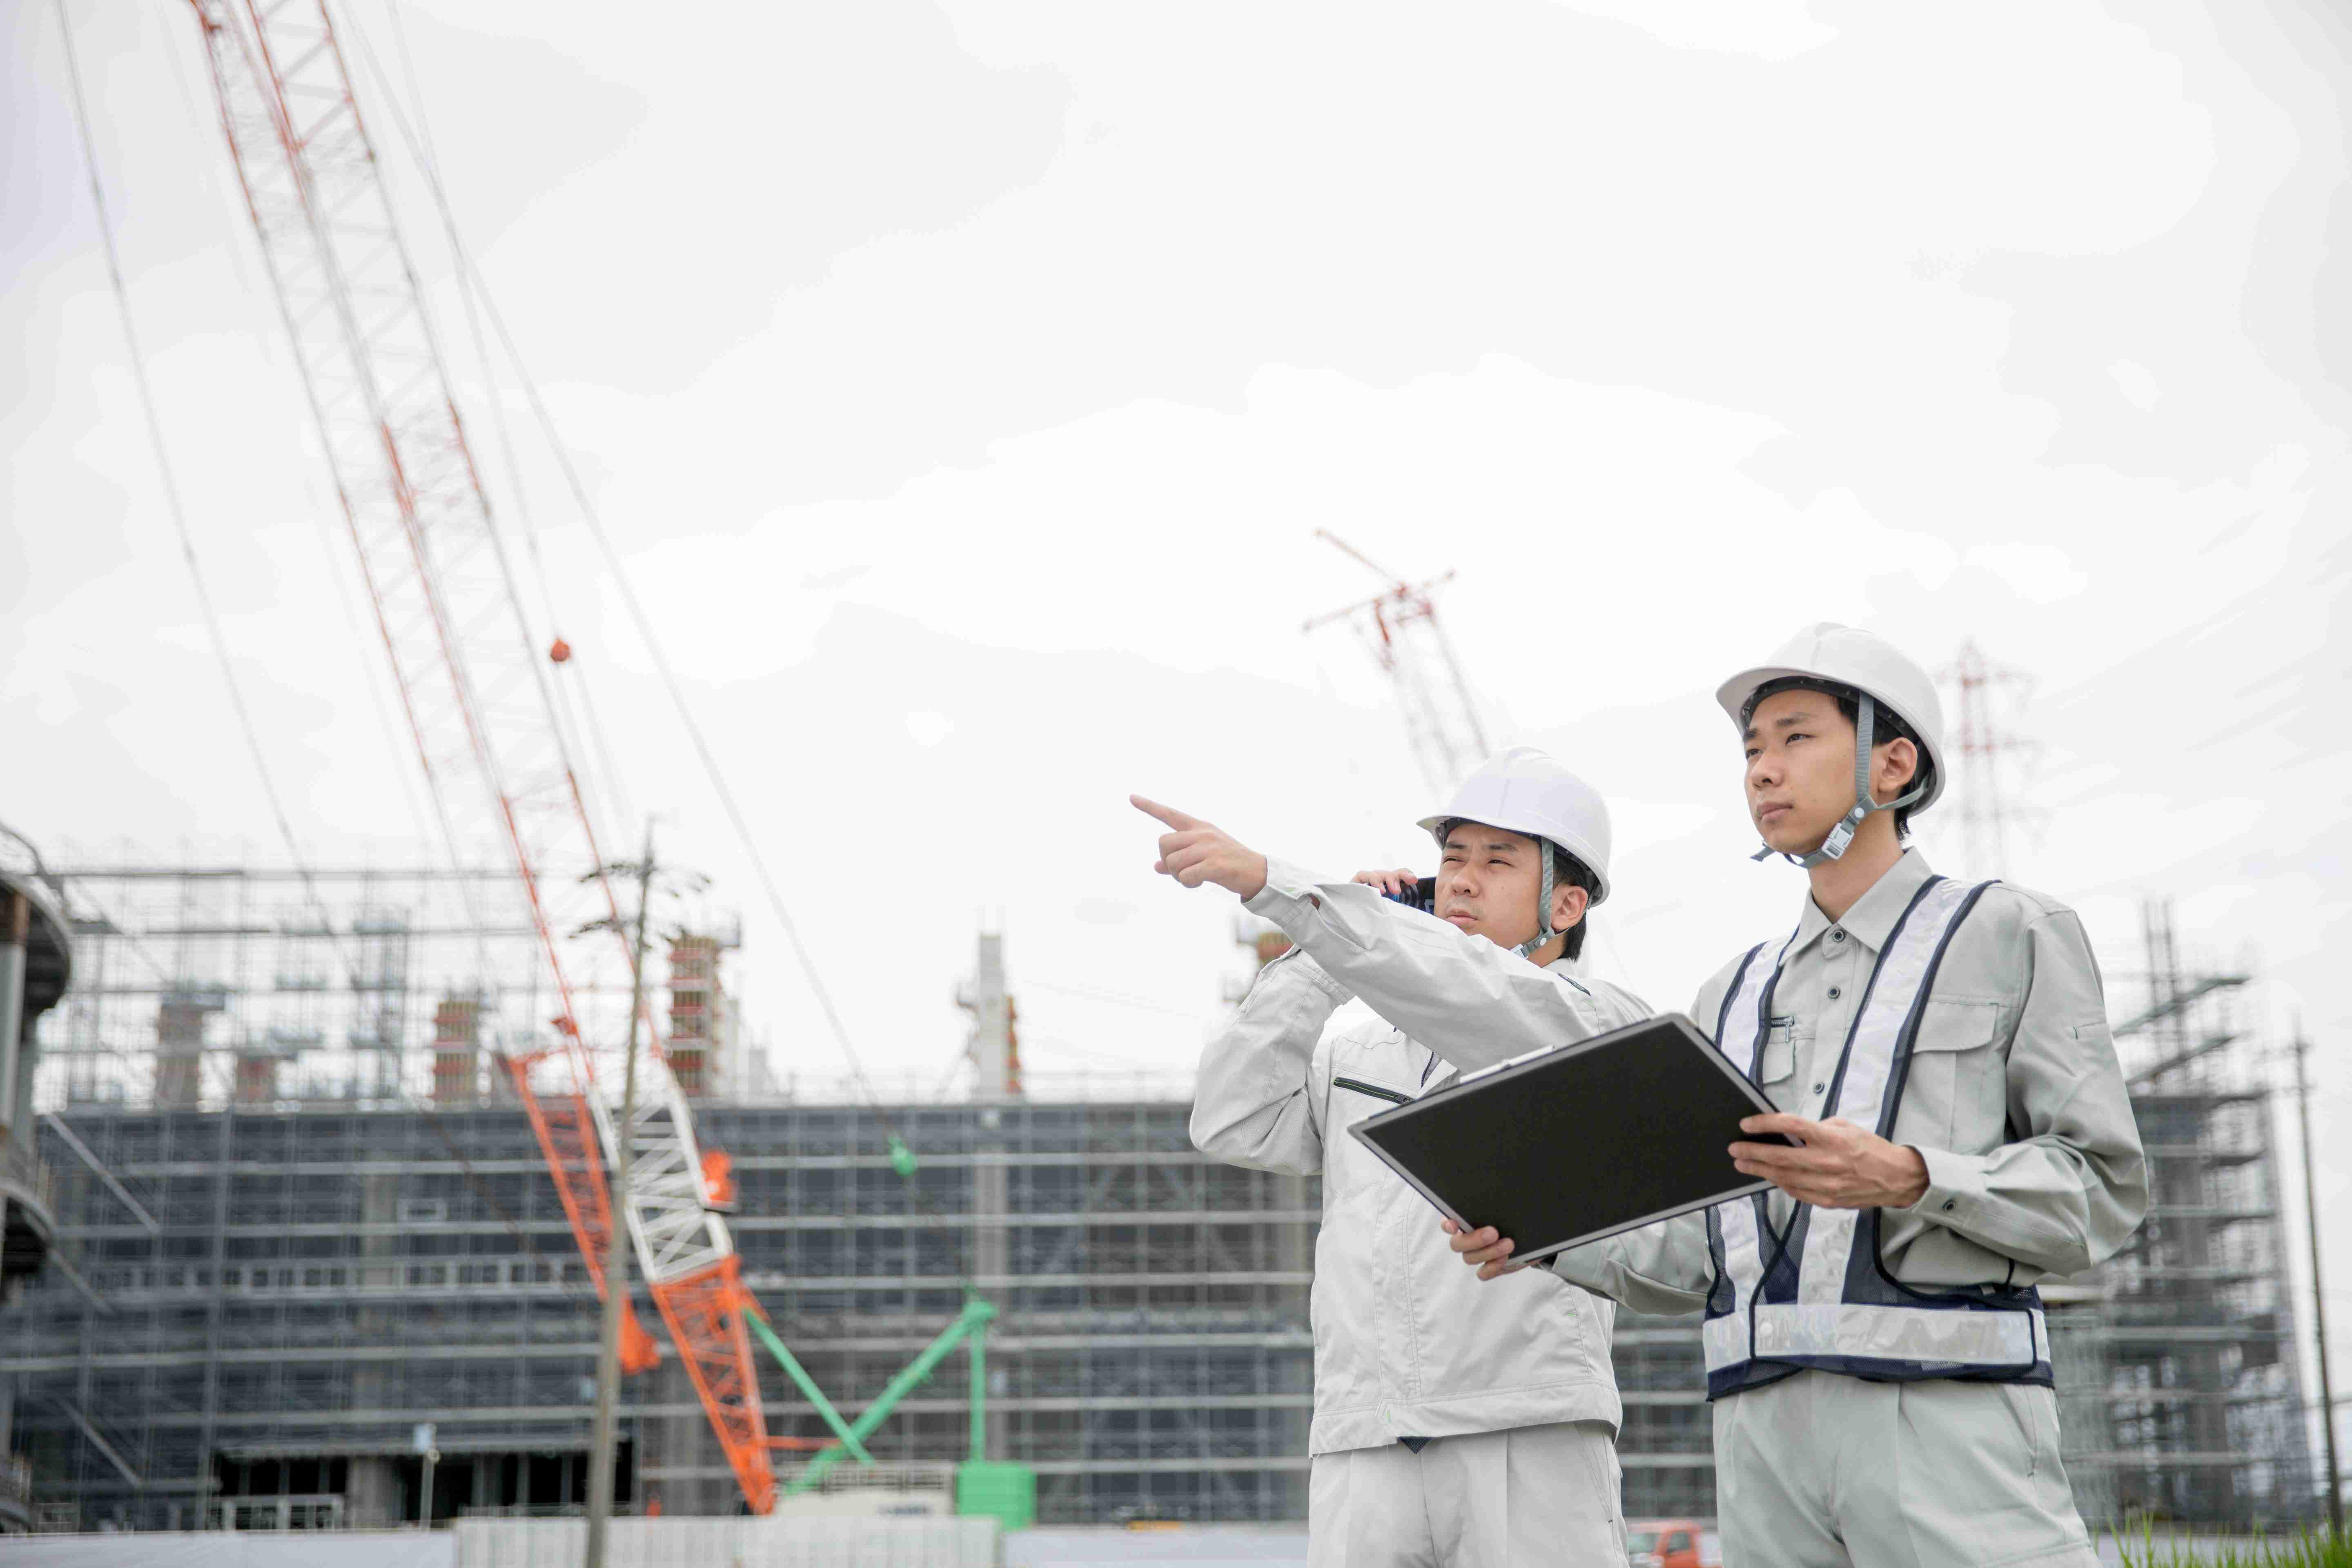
point(1473, 1003)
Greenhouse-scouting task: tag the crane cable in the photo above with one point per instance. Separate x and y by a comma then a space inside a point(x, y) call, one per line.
point(637, 612)
point(171, 484)
point(901, 1156)
point(618, 806)
point(204, 594)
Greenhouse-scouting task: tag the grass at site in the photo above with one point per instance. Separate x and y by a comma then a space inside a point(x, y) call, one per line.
point(2310, 1550)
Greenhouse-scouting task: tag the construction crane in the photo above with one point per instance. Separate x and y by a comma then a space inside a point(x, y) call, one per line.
point(1400, 628)
point(474, 689)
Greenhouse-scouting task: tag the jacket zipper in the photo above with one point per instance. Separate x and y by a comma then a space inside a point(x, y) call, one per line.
point(1375, 1090)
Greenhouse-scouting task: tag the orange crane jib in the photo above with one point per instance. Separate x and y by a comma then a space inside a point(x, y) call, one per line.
point(474, 687)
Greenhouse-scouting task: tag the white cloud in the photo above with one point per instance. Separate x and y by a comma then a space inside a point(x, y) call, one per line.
point(1772, 31)
point(1001, 379)
point(928, 729)
point(2136, 382)
point(2040, 573)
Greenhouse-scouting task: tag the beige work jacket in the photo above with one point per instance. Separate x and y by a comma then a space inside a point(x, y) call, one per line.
point(1408, 1343)
point(2015, 1099)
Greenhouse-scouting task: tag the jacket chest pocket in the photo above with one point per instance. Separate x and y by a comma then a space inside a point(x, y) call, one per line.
point(1956, 1094)
point(1363, 1174)
point(1776, 1059)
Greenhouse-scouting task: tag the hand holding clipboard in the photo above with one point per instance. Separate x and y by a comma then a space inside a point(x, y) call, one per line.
point(1580, 1142)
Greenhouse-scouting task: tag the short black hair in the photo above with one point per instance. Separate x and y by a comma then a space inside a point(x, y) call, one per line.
point(1885, 725)
point(1566, 871)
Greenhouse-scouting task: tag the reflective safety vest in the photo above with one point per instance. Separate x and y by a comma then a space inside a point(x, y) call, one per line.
point(1815, 1293)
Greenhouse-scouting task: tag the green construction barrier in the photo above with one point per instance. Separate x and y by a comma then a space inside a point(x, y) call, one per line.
point(998, 1490)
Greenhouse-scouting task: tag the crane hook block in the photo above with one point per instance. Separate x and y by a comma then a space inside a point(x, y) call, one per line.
point(902, 1159)
point(559, 651)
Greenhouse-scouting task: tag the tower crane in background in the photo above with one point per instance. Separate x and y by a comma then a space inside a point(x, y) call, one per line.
point(478, 700)
point(1399, 625)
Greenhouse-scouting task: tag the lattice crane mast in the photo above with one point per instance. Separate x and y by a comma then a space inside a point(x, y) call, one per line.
point(472, 686)
point(1400, 627)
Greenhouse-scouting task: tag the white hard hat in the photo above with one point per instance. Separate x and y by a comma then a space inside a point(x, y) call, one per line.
point(1528, 791)
point(1844, 656)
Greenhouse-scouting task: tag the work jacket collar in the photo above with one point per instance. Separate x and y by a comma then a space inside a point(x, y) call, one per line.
point(1872, 920)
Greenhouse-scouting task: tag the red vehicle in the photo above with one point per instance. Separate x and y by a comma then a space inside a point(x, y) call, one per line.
point(1672, 1543)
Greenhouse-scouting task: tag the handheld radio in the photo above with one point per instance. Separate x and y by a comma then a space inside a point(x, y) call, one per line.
point(1421, 896)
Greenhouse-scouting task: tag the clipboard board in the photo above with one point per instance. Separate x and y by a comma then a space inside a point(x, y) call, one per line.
point(1576, 1142)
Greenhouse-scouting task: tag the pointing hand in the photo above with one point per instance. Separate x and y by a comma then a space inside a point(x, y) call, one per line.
point(1197, 852)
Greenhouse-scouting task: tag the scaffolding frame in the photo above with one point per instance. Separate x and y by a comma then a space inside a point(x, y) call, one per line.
point(211, 983)
point(2200, 1408)
point(1155, 1355)
point(323, 1278)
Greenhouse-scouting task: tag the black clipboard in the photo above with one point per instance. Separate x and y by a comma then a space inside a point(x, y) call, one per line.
point(1579, 1142)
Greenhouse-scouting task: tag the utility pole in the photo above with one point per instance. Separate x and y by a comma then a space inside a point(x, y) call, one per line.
point(616, 1258)
point(2318, 1292)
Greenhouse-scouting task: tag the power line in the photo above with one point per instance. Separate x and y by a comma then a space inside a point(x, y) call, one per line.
point(1116, 999)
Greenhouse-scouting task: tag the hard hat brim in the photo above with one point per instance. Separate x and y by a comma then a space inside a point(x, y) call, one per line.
point(1583, 852)
point(1734, 694)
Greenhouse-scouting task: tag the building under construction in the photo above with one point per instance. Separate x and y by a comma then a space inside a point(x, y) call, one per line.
point(297, 1219)
point(2180, 1389)
point(2190, 1403)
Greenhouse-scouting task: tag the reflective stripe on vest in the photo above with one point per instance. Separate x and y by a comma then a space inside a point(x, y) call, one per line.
point(1816, 1293)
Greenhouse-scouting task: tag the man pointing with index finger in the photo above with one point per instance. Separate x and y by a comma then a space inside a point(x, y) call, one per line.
point(1457, 1425)
point(1195, 852)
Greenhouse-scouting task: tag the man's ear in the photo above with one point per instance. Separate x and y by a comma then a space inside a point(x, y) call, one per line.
point(1895, 769)
point(1569, 903)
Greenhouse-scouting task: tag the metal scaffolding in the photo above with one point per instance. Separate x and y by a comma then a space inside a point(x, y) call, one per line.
point(323, 1279)
point(204, 983)
point(270, 1289)
point(2203, 1418)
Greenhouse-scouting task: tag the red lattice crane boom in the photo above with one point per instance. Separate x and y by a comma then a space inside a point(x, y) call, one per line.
point(472, 686)
point(1400, 627)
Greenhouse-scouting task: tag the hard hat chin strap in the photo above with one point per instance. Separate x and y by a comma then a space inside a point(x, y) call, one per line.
point(1544, 933)
point(1841, 838)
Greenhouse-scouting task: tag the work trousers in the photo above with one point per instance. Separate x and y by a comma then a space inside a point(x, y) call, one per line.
point(1518, 1498)
point(1821, 1470)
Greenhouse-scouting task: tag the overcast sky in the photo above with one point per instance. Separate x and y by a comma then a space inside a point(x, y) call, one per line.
point(962, 385)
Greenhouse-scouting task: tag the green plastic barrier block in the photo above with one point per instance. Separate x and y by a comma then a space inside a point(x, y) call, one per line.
point(1006, 1492)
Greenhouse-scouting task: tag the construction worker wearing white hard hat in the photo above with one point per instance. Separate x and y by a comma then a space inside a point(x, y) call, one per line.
point(1455, 1424)
point(1877, 1354)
